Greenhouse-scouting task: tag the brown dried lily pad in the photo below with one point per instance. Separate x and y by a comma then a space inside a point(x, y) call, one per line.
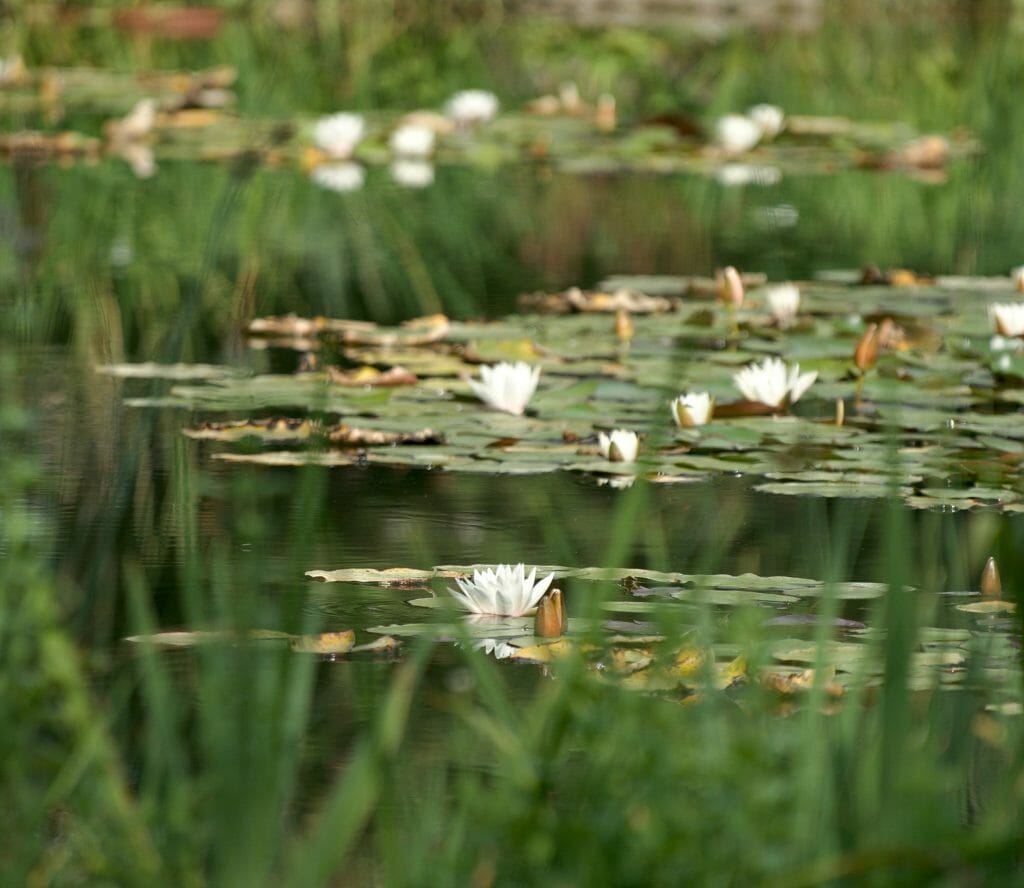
point(744, 408)
point(371, 376)
point(355, 437)
point(274, 429)
point(418, 331)
point(591, 301)
point(872, 275)
point(325, 642)
point(292, 325)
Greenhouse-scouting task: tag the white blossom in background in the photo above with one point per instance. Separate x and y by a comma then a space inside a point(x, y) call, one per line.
point(736, 175)
point(504, 590)
point(621, 445)
point(692, 409)
point(339, 177)
point(138, 122)
point(412, 140)
point(783, 302)
point(773, 383)
point(505, 386)
point(338, 134)
point(128, 135)
point(736, 134)
point(769, 118)
point(412, 173)
point(1008, 318)
point(1017, 276)
point(471, 106)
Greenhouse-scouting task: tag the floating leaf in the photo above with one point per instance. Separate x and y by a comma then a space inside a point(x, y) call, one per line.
point(325, 643)
point(392, 576)
point(543, 653)
point(371, 376)
point(989, 606)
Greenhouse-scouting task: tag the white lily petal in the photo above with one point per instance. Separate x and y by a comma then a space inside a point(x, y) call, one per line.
point(622, 445)
point(504, 590)
point(801, 384)
point(472, 106)
point(338, 134)
point(1008, 318)
point(771, 382)
point(692, 409)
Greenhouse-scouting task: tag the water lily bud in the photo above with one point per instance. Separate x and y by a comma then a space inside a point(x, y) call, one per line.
point(730, 287)
point(624, 325)
point(991, 585)
point(551, 621)
point(866, 352)
point(606, 117)
point(621, 445)
point(840, 411)
point(569, 96)
point(692, 409)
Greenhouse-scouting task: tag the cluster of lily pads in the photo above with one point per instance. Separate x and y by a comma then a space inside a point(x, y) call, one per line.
point(515, 616)
point(915, 386)
point(909, 390)
point(193, 115)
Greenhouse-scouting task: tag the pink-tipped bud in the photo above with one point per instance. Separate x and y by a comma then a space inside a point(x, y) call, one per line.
point(731, 287)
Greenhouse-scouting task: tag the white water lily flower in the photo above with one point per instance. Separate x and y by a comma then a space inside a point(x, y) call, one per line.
point(338, 134)
point(736, 134)
point(692, 409)
point(504, 590)
point(472, 106)
point(783, 301)
point(412, 140)
point(773, 383)
point(621, 445)
point(505, 386)
point(1009, 318)
point(339, 176)
point(770, 119)
point(412, 173)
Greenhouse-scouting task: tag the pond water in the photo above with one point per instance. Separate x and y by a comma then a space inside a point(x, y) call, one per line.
point(102, 267)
